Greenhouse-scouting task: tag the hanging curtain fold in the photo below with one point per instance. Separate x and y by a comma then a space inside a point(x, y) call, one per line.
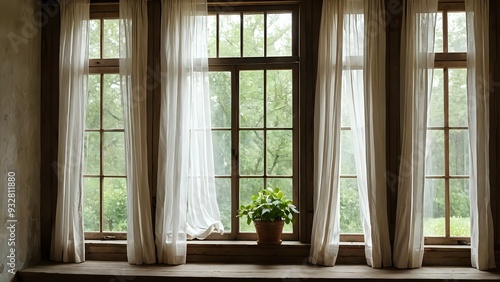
point(326, 222)
point(372, 138)
point(67, 234)
point(478, 91)
point(351, 63)
point(186, 197)
point(133, 76)
point(417, 62)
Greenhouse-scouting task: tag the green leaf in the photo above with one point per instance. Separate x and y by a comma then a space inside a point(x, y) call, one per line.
point(269, 205)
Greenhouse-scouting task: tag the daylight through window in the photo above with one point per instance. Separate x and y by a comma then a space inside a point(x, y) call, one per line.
point(446, 210)
point(253, 88)
point(105, 192)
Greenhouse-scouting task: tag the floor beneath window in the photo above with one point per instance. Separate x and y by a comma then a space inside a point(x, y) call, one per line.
point(97, 271)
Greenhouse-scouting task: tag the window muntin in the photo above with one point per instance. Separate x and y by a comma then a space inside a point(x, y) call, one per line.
point(446, 194)
point(350, 217)
point(351, 227)
point(254, 109)
point(104, 144)
point(252, 33)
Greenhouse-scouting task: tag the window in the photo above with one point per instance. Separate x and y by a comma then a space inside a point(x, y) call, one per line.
point(253, 87)
point(446, 210)
point(105, 192)
point(350, 217)
point(351, 227)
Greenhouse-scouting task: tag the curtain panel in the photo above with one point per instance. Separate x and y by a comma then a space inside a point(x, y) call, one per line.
point(68, 244)
point(133, 79)
point(417, 63)
point(351, 70)
point(478, 91)
point(186, 205)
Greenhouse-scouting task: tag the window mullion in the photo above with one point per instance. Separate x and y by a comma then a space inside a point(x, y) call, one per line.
point(235, 181)
point(265, 128)
point(445, 32)
point(101, 141)
point(265, 34)
point(241, 34)
point(446, 152)
point(217, 35)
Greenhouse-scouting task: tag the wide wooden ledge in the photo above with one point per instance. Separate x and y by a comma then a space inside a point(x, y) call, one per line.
point(97, 271)
point(290, 252)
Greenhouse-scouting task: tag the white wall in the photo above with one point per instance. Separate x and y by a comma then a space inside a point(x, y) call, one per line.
point(20, 33)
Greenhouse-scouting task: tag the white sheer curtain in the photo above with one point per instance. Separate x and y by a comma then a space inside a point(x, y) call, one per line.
point(186, 200)
point(67, 234)
point(417, 62)
point(133, 73)
point(352, 63)
point(482, 248)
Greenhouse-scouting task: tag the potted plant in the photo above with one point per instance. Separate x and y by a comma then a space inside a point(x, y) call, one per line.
point(269, 210)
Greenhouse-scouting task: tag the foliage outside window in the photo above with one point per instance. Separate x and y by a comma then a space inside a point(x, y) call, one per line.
point(105, 193)
point(446, 210)
point(253, 86)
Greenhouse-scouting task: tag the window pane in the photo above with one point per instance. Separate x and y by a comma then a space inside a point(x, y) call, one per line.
point(354, 37)
point(434, 207)
point(220, 98)
point(458, 97)
point(438, 40)
point(212, 36)
point(435, 153)
point(457, 32)
point(229, 36)
point(110, 44)
point(252, 98)
point(91, 204)
point(114, 202)
point(95, 39)
point(345, 118)
point(459, 208)
point(286, 184)
point(459, 152)
point(347, 161)
point(92, 120)
point(253, 35)
point(249, 187)
point(112, 99)
point(279, 98)
point(350, 218)
point(251, 152)
point(436, 109)
point(223, 186)
point(279, 152)
point(92, 153)
point(113, 154)
point(279, 35)
point(222, 152)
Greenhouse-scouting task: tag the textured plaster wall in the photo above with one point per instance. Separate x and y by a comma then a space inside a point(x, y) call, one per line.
point(20, 33)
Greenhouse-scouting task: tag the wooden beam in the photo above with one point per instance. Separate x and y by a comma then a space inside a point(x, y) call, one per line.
point(495, 118)
point(49, 123)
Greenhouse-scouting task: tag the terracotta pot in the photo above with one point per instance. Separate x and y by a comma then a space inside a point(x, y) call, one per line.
point(269, 232)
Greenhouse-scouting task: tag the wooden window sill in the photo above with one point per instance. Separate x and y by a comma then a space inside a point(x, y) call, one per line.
point(98, 271)
point(290, 252)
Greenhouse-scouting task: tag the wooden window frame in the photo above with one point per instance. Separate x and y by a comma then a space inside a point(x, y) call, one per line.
point(235, 65)
point(350, 237)
point(101, 67)
point(447, 61)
